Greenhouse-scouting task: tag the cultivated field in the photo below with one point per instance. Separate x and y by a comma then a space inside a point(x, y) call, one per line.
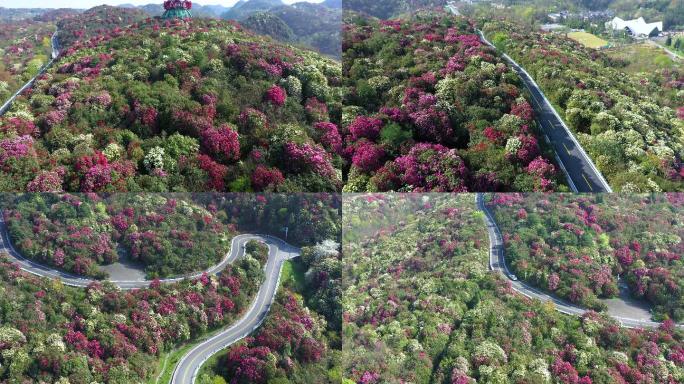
point(588, 40)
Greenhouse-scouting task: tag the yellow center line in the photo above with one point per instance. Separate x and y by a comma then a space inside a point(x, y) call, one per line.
point(587, 181)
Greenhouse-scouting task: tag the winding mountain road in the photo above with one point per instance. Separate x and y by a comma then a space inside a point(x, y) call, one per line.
point(579, 169)
point(187, 368)
point(55, 53)
point(629, 314)
point(189, 365)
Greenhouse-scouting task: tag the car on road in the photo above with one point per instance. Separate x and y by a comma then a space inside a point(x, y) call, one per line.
point(513, 277)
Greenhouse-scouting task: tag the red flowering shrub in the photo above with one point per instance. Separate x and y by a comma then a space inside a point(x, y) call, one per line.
point(216, 172)
point(264, 178)
point(276, 96)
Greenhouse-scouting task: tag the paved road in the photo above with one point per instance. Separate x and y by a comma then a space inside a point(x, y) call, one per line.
point(188, 367)
point(55, 53)
point(497, 262)
point(579, 169)
point(236, 251)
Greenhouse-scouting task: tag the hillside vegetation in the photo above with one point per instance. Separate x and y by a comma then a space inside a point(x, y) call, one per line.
point(177, 106)
point(25, 48)
point(96, 21)
point(428, 107)
point(632, 126)
point(303, 23)
point(578, 247)
point(420, 306)
point(300, 340)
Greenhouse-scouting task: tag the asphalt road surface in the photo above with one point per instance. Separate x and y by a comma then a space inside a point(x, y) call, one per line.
point(497, 262)
point(579, 169)
point(188, 367)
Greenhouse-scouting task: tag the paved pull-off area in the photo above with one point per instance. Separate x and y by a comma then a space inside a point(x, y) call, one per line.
point(629, 312)
point(188, 366)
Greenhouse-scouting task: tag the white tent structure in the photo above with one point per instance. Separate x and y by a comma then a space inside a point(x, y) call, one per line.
point(637, 27)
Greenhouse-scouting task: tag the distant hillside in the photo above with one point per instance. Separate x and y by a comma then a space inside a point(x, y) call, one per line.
point(313, 25)
point(265, 23)
point(198, 10)
point(243, 9)
point(97, 21)
point(386, 9)
point(332, 3)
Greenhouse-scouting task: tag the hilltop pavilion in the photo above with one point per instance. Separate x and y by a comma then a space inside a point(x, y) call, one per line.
point(177, 9)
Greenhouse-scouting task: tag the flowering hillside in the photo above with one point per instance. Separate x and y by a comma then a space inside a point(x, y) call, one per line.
point(77, 233)
point(25, 48)
point(56, 334)
point(628, 124)
point(96, 21)
point(577, 246)
point(177, 106)
point(420, 306)
point(430, 108)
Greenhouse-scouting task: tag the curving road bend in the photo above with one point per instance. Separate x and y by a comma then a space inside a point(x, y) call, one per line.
point(236, 251)
point(579, 169)
point(497, 262)
point(55, 53)
point(187, 368)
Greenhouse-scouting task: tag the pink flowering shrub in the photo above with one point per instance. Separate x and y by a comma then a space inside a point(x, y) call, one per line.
point(330, 136)
point(18, 126)
point(276, 96)
point(427, 167)
point(308, 158)
point(222, 142)
point(15, 148)
point(368, 156)
point(47, 181)
point(365, 127)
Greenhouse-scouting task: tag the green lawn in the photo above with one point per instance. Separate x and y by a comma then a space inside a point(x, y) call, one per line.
point(588, 40)
point(293, 275)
